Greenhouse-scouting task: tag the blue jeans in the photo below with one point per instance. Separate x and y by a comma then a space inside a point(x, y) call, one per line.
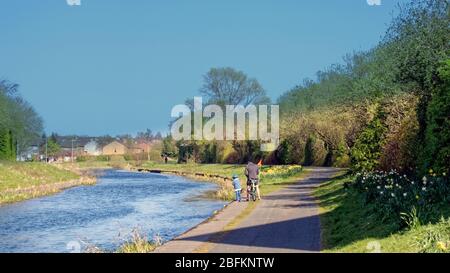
point(238, 195)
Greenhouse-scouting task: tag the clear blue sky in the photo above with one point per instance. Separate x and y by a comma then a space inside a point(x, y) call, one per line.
point(110, 66)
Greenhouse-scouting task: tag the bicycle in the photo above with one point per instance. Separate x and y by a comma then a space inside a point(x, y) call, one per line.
point(252, 191)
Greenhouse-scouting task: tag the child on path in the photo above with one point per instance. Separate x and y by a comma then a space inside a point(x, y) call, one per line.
point(237, 187)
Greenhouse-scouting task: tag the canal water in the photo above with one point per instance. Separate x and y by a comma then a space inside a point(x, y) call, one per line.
point(104, 215)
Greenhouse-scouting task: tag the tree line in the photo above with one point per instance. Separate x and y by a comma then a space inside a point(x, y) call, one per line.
point(221, 86)
point(20, 125)
point(385, 108)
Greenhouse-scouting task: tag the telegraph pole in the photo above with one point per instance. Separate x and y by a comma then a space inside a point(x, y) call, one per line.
point(46, 150)
point(72, 149)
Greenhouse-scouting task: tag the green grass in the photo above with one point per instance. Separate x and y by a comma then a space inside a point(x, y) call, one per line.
point(19, 176)
point(25, 180)
point(217, 169)
point(272, 184)
point(89, 165)
point(138, 243)
point(92, 164)
point(15, 175)
point(225, 192)
point(348, 225)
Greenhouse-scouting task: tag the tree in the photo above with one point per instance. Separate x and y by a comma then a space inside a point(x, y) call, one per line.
point(418, 42)
point(53, 147)
point(18, 119)
point(366, 153)
point(400, 144)
point(247, 150)
point(224, 86)
point(406, 62)
point(168, 147)
point(147, 135)
point(229, 86)
point(7, 145)
point(436, 154)
point(188, 151)
point(158, 136)
point(49, 145)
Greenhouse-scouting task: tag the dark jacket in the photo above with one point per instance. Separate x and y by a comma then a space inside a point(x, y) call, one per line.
point(252, 171)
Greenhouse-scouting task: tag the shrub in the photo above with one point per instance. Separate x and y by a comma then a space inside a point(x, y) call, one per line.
point(342, 159)
point(282, 171)
point(284, 153)
point(366, 152)
point(401, 144)
point(232, 158)
point(102, 158)
point(291, 150)
point(7, 145)
point(81, 158)
point(436, 153)
point(393, 194)
point(138, 243)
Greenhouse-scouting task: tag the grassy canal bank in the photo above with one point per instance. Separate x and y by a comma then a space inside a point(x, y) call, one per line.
point(272, 177)
point(20, 181)
point(25, 180)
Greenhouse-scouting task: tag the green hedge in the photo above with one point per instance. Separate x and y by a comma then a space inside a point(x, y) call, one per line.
point(7, 145)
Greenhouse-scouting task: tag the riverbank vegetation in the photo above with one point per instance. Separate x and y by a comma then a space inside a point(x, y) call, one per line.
point(352, 224)
point(139, 243)
point(381, 109)
point(20, 125)
point(393, 135)
point(272, 177)
point(383, 113)
point(20, 181)
point(136, 242)
point(385, 109)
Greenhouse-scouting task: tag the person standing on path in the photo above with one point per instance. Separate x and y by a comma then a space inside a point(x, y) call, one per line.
point(252, 173)
point(237, 187)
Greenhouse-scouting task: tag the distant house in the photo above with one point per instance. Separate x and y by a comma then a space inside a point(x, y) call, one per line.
point(143, 146)
point(65, 156)
point(72, 143)
point(92, 148)
point(114, 148)
point(30, 153)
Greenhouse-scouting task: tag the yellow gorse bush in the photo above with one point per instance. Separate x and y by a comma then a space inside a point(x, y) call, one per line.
point(280, 170)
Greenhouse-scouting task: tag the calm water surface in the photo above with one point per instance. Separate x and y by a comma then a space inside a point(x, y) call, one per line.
point(105, 214)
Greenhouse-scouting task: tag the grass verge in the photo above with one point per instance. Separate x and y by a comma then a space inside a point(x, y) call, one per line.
point(138, 243)
point(272, 177)
point(348, 225)
point(20, 180)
